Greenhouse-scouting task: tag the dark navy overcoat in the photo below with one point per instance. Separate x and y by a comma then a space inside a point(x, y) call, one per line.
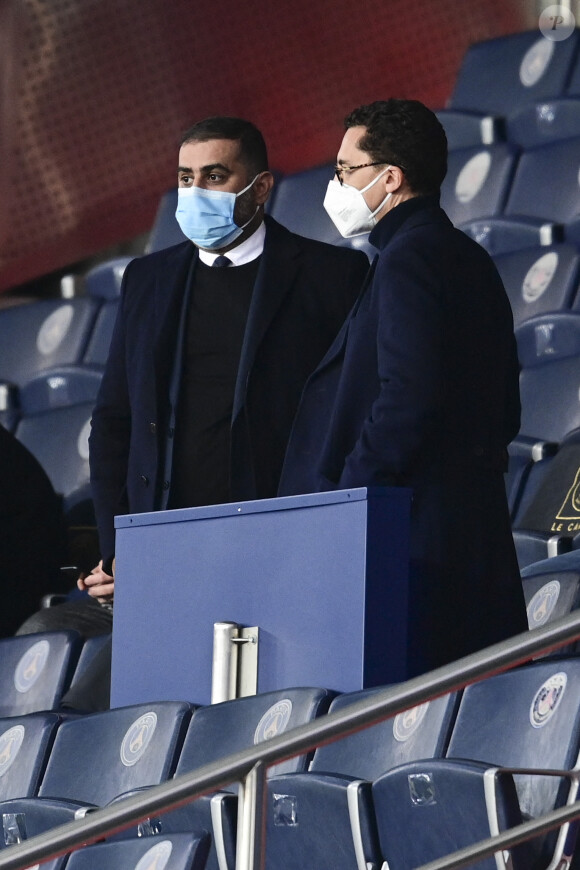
point(420, 389)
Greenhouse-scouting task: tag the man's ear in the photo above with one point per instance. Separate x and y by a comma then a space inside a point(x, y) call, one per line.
point(263, 186)
point(394, 179)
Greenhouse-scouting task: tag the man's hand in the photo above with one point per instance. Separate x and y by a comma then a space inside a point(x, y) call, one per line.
point(98, 584)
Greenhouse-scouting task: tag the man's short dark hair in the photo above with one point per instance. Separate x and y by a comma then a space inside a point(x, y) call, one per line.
point(253, 152)
point(407, 134)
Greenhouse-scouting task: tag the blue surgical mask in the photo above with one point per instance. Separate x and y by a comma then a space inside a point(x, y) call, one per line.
point(207, 216)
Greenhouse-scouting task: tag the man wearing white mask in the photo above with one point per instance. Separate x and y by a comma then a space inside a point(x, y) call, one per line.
point(214, 340)
point(420, 388)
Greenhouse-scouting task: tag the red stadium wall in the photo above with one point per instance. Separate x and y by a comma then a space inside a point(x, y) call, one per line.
point(95, 93)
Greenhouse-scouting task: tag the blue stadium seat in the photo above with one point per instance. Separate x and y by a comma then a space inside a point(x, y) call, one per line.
point(165, 231)
point(526, 718)
point(533, 214)
point(544, 122)
point(499, 76)
point(548, 517)
point(104, 281)
point(220, 729)
point(36, 670)
point(298, 204)
point(552, 590)
point(540, 279)
point(91, 647)
point(477, 182)
point(97, 758)
point(25, 744)
point(58, 438)
point(59, 388)
point(549, 352)
point(328, 810)
point(523, 454)
point(42, 335)
point(465, 129)
point(174, 852)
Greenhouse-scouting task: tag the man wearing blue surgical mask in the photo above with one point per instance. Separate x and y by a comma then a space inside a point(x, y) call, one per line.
point(210, 355)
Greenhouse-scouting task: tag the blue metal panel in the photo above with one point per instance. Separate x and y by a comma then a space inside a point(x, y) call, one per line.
point(324, 577)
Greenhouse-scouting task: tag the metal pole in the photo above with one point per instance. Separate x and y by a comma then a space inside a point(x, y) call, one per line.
point(251, 820)
point(224, 672)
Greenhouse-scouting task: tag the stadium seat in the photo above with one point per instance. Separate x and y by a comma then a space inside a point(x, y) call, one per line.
point(42, 335)
point(523, 454)
point(97, 758)
point(298, 204)
point(477, 182)
point(65, 454)
point(533, 215)
point(165, 231)
point(91, 647)
point(25, 744)
point(174, 852)
point(544, 122)
point(548, 516)
point(104, 281)
point(522, 722)
point(465, 129)
point(540, 280)
point(549, 353)
point(221, 729)
point(328, 810)
point(499, 76)
point(36, 670)
point(552, 590)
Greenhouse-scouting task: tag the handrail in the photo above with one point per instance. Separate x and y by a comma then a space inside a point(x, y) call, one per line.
point(237, 767)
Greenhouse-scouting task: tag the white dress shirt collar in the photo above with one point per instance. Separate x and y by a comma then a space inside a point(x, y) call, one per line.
point(247, 251)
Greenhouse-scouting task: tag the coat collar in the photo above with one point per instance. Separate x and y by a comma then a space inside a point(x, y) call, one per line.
point(414, 211)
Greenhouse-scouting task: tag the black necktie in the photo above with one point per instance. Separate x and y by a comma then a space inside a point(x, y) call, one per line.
point(222, 261)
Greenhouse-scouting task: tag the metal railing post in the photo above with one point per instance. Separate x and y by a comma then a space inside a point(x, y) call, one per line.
point(252, 820)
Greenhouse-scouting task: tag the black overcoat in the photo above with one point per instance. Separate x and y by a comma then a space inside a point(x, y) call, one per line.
point(303, 292)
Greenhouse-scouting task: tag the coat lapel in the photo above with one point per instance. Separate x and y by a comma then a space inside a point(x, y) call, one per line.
point(275, 278)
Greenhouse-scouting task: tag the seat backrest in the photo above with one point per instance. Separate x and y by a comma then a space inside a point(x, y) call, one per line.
point(550, 500)
point(42, 335)
point(166, 852)
point(549, 353)
point(36, 670)
point(552, 594)
point(25, 744)
point(165, 231)
point(500, 75)
point(67, 385)
point(543, 122)
point(527, 717)
point(540, 279)
point(298, 204)
point(478, 181)
point(97, 350)
point(95, 758)
point(221, 729)
point(421, 732)
point(59, 440)
point(104, 280)
point(545, 185)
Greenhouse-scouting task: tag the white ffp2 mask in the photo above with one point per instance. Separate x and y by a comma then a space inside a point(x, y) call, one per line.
point(348, 209)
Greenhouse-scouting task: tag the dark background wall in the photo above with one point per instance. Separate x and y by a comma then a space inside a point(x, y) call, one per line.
point(94, 95)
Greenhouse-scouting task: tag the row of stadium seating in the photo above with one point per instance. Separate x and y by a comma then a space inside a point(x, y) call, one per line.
point(393, 792)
